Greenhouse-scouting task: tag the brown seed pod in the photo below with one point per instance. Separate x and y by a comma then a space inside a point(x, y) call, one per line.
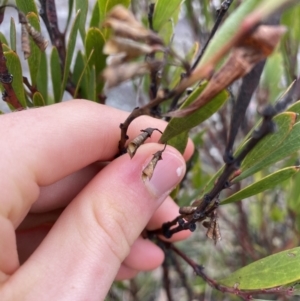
point(25, 42)
point(213, 231)
point(186, 210)
point(149, 169)
point(119, 12)
point(130, 48)
point(139, 140)
point(37, 37)
point(116, 74)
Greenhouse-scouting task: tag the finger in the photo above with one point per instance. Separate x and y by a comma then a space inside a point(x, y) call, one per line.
point(61, 193)
point(144, 256)
point(66, 138)
point(94, 234)
point(126, 273)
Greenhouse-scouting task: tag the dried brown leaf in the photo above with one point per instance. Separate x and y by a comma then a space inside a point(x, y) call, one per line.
point(119, 12)
point(139, 140)
point(116, 74)
point(125, 30)
point(149, 169)
point(242, 59)
point(25, 42)
point(130, 48)
point(37, 37)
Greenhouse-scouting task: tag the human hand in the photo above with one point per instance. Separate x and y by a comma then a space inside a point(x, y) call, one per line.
point(78, 222)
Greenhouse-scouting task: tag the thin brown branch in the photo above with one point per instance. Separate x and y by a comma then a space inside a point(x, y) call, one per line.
point(136, 113)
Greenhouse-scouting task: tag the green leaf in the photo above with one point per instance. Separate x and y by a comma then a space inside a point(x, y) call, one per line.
point(70, 8)
point(70, 51)
point(83, 6)
point(35, 56)
point(164, 10)
point(295, 107)
point(95, 42)
point(265, 183)
point(3, 39)
point(95, 18)
point(82, 66)
point(290, 19)
point(92, 84)
point(179, 141)
point(179, 125)
point(276, 270)
point(56, 76)
point(106, 6)
point(290, 145)
point(228, 29)
point(27, 6)
point(272, 76)
point(14, 67)
point(42, 77)
point(13, 39)
point(285, 122)
point(38, 100)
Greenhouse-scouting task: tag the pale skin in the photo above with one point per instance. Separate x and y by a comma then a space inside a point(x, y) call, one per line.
point(78, 218)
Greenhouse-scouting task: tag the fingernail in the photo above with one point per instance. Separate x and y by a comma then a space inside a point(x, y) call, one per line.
point(167, 174)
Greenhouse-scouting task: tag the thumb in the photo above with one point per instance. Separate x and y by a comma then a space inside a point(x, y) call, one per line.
point(82, 253)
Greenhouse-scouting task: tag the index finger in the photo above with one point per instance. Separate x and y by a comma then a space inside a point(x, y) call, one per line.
point(46, 144)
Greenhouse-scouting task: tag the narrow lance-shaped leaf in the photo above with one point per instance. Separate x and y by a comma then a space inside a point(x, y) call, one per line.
point(38, 100)
point(81, 83)
point(13, 39)
point(95, 16)
point(179, 125)
point(95, 42)
point(42, 77)
point(163, 11)
point(284, 124)
point(272, 271)
point(27, 6)
point(180, 141)
point(35, 57)
point(83, 6)
point(295, 107)
point(14, 67)
point(267, 182)
point(70, 51)
point(290, 145)
point(56, 75)
point(3, 39)
point(70, 10)
point(83, 73)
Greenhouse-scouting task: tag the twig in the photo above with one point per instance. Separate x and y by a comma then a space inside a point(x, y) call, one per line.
point(249, 84)
point(210, 200)
point(49, 16)
point(31, 88)
point(136, 113)
point(222, 11)
point(181, 275)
